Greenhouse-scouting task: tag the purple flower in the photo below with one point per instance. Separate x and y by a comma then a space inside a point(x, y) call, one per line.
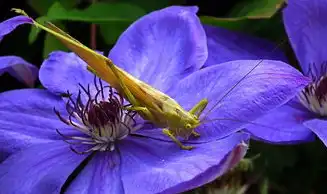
point(304, 116)
point(16, 66)
point(167, 49)
point(225, 45)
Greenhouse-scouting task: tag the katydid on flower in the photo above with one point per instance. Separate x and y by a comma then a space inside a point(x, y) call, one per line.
point(152, 104)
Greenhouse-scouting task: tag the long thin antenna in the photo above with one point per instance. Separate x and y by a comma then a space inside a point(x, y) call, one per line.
point(239, 121)
point(248, 73)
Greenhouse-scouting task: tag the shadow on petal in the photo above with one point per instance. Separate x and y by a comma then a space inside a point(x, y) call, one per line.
point(101, 175)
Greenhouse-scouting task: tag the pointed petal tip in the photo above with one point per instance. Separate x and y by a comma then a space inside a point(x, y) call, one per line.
point(11, 24)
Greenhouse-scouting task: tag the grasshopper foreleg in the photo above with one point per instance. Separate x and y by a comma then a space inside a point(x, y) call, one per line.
point(199, 107)
point(169, 134)
point(195, 134)
point(197, 110)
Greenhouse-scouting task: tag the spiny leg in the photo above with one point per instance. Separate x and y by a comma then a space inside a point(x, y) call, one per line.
point(143, 111)
point(130, 97)
point(169, 134)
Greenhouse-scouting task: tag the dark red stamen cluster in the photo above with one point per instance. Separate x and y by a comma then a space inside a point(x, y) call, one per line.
point(101, 118)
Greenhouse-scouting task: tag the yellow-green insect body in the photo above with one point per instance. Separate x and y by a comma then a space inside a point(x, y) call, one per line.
point(150, 103)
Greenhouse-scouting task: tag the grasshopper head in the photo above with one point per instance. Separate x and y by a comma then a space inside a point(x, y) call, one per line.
point(191, 122)
point(181, 122)
point(186, 120)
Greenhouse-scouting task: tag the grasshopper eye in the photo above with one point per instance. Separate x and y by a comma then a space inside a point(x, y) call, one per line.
point(188, 126)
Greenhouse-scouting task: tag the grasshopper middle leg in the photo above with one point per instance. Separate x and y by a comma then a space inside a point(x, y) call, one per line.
point(172, 136)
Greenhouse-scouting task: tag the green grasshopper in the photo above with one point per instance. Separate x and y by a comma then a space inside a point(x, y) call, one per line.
point(152, 104)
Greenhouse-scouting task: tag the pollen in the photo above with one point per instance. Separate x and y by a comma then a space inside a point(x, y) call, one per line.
point(101, 118)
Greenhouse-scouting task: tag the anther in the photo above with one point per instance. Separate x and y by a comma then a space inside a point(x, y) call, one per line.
point(102, 120)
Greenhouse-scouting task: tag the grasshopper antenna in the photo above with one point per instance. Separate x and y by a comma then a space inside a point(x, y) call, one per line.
point(281, 6)
point(239, 121)
point(239, 81)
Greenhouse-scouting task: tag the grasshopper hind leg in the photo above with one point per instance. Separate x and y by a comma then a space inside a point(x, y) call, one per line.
point(171, 135)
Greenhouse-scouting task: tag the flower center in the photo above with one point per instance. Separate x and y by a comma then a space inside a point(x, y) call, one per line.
point(101, 120)
point(314, 96)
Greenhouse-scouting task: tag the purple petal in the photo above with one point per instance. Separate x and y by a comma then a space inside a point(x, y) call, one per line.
point(162, 47)
point(11, 24)
point(41, 169)
point(101, 175)
point(225, 45)
point(318, 126)
point(62, 72)
point(152, 166)
point(270, 85)
point(19, 68)
point(27, 117)
point(283, 125)
point(305, 23)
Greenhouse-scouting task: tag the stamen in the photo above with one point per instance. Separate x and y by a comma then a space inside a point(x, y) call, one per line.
point(95, 83)
point(101, 86)
point(317, 72)
point(101, 121)
point(314, 96)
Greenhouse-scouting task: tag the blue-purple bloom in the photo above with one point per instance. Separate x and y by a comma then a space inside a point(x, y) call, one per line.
point(305, 115)
point(16, 66)
point(167, 49)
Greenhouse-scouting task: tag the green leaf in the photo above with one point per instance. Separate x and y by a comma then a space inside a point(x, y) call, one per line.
point(257, 9)
point(258, 18)
point(264, 186)
point(97, 13)
point(230, 23)
point(152, 5)
point(113, 18)
point(245, 14)
point(111, 33)
point(35, 31)
point(42, 6)
point(52, 44)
